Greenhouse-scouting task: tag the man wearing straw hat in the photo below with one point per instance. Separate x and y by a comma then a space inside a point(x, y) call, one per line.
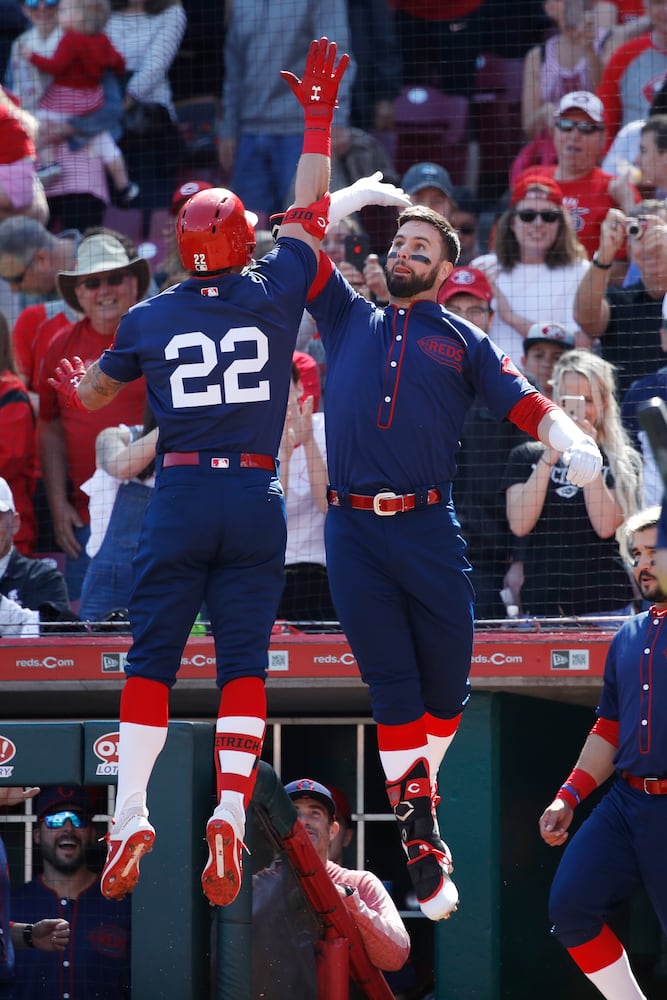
point(103, 285)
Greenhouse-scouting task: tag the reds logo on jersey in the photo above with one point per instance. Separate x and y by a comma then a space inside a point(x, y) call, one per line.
point(443, 351)
point(509, 368)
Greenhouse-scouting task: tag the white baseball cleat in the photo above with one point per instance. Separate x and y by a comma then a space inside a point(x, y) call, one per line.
point(221, 878)
point(131, 836)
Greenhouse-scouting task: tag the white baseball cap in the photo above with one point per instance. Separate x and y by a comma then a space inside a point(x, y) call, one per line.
point(6, 497)
point(586, 102)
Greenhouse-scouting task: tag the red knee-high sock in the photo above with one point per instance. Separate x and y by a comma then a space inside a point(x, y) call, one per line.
point(239, 737)
point(144, 702)
point(604, 961)
point(144, 717)
point(402, 746)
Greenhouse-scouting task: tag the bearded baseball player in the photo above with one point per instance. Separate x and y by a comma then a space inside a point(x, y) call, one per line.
point(399, 383)
point(622, 844)
point(216, 352)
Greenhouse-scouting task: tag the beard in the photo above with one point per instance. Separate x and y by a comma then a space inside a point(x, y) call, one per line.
point(651, 590)
point(405, 286)
point(69, 867)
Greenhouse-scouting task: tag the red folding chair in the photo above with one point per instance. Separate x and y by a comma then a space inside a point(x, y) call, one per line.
point(496, 106)
point(433, 127)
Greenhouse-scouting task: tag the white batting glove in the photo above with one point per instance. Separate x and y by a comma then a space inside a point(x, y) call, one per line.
point(366, 191)
point(583, 461)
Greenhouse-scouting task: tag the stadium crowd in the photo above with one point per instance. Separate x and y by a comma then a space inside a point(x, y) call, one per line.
point(563, 265)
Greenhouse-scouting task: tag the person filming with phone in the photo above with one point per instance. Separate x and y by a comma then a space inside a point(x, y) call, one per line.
point(627, 320)
point(571, 561)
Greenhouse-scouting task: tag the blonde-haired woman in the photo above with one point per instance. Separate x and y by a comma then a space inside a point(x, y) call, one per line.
point(571, 561)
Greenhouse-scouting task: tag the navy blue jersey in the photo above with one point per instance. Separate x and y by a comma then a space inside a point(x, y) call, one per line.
point(412, 375)
point(6, 946)
point(635, 693)
point(96, 964)
point(225, 340)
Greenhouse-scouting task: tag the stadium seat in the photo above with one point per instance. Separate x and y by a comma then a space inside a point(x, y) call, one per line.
point(496, 107)
point(197, 119)
point(432, 126)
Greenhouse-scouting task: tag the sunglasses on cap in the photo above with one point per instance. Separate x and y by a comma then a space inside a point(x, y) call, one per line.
point(34, 4)
point(92, 284)
point(56, 821)
point(584, 128)
point(546, 215)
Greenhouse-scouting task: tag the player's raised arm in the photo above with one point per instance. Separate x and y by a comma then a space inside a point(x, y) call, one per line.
point(307, 218)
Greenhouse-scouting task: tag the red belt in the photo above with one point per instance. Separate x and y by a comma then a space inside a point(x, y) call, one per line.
point(385, 503)
point(246, 460)
point(652, 786)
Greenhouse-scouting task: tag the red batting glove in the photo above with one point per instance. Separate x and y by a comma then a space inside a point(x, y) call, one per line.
point(317, 91)
point(67, 376)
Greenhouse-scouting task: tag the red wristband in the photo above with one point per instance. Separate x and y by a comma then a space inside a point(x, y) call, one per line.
point(317, 137)
point(314, 218)
point(577, 787)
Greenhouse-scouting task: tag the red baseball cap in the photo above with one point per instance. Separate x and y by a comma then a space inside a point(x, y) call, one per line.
point(551, 190)
point(185, 191)
point(465, 281)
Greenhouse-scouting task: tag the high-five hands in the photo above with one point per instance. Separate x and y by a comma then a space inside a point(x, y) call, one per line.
point(316, 92)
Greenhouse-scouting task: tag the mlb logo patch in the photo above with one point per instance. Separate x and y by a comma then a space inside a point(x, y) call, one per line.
point(219, 463)
point(211, 291)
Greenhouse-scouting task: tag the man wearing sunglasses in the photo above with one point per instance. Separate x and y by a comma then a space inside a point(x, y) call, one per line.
point(627, 320)
point(103, 284)
point(588, 192)
point(96, 962)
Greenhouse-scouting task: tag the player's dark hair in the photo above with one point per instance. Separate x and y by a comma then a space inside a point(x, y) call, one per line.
point(657, 124)
point(449, 238)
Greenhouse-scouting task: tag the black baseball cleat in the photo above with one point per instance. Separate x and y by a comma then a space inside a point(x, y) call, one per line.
point(429, 858)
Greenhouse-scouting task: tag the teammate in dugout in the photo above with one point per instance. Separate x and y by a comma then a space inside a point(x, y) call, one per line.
point(622, 844)
point(216, 351)
point(401, 380)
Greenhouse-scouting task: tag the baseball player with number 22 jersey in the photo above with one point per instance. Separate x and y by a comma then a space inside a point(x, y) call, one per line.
point(216, 352)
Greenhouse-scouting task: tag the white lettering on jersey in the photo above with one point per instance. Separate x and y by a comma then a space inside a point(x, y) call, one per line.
point(211, 395)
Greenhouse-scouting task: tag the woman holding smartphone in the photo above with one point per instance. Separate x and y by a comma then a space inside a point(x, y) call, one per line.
point(571, 561)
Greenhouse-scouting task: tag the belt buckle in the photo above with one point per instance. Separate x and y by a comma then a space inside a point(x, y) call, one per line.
point(649, 779)
point(378, 498)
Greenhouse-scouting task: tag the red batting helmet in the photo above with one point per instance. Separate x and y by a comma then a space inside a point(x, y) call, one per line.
point(213, 232)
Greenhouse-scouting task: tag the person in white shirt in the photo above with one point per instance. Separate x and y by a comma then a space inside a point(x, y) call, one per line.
point(303, 473)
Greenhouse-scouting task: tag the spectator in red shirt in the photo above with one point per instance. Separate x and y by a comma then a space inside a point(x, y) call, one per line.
point(20, 189)
point(30, 259)
point(17, 442)
point(104, 284)
point(588, 192)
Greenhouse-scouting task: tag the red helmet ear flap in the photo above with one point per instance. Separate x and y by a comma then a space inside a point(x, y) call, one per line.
point(213, 233)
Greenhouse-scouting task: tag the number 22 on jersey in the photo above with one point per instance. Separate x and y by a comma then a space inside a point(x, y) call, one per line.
point(212, 395)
